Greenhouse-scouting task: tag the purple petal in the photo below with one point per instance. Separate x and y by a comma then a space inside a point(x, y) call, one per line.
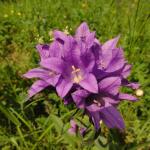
point(83, 131)
point(93, 108)
point(90, 39)
point(71, 51)
point(110, 100)
point(55, 49)
point(96, 50)
point(54, 64)
point(37, 73)
point(73, 123)
point(53, 80)
point(72, 131)
point(132, 85)
point(60, 36)
point(96, 41)
point(43, 50)
point(130, 97)
point(111, 44)
point(74, 127)
point(126, 71)
point(89, 83)
point(110, 85)
point(63, 87)
point(67, 100)
point(79, 98)
point(107, 54)
point(87, 61)
point(112, 118)
point(37, 87)
point(82, 31)
point(95, 117)
point(117, 61)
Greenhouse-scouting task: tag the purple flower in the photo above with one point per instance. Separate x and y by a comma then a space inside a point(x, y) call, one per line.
point(110, 61)
point(75, 128)
point(87, 73)
point(46, 77)
point(84, 37)
point(75, 68)
point(102, 105)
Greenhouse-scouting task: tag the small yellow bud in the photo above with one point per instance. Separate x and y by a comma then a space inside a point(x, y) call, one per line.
point(5, 16)
point(139, 92)
point(40, 40)
point(19, 14)
point(50, 33)
point(66, 31)
point(84, 5)
point(12, 11)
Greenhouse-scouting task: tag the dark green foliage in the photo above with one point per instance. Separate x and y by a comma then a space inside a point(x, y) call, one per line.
point(43, 122)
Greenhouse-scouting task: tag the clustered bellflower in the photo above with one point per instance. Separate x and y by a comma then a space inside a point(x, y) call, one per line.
point(86, 73)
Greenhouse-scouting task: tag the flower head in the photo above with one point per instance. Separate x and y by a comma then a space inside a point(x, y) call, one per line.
point(100, 106)
point(86, 73)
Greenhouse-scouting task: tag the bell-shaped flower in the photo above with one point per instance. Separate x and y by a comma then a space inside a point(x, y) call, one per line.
point(75, 128)
point(75, 68)
point(102, 105)
point(46, 77)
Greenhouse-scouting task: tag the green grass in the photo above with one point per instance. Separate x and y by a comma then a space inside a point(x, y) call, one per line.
point(43, 122)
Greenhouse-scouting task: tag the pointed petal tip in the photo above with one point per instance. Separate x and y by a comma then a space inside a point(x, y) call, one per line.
point(84, 24)
point(124, 96)
point(111, 44)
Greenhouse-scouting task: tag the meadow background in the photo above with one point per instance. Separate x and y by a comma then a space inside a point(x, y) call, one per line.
point(43, 122)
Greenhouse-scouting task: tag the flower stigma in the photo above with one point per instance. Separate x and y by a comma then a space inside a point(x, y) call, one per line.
point(52, 73)
point(77, 77)
point(96, 102)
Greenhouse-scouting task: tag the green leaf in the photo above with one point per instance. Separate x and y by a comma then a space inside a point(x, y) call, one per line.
point(10, 116)
point(57, 123)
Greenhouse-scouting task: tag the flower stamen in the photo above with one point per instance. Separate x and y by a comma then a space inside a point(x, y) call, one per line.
point(96, 102)
point(74, 69)
point(77, 77)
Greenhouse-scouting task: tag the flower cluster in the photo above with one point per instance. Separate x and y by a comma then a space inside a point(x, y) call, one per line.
point(86, 73)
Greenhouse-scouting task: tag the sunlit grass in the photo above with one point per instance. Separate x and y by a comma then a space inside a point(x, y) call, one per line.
point(43, 122)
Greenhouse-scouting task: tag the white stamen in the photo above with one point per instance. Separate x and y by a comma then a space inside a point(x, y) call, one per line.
point(77, 78)
point(96, 102)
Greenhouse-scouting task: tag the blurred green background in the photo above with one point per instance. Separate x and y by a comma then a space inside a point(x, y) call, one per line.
point(43, 122)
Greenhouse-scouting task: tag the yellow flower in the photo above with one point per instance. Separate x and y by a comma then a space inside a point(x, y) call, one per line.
point(19, 14)
point(51, 35)
point(12, 11)
point(66, 31)
point(40, 40)
point(52, 39)
point(84, 5)
point(5, 16)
